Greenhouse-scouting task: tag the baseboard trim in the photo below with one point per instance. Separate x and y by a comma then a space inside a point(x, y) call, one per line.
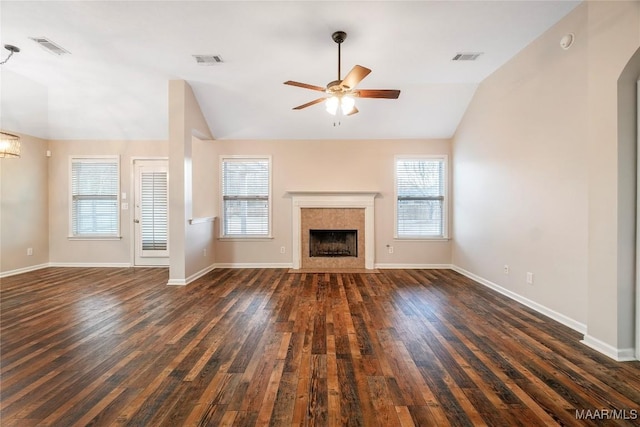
point(558, 317)
point(253, 265)
point(617, 354)
point(390, 266)
point(91, 264)
point(23, 270)
point(192, 278)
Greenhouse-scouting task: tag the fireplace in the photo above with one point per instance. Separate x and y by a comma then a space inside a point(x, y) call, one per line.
point(333, 211)
point(333, 243)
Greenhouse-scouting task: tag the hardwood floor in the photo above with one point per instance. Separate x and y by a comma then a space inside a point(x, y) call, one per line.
point(263, 347)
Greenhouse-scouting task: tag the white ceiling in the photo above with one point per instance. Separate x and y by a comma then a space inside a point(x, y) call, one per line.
point(113, 84)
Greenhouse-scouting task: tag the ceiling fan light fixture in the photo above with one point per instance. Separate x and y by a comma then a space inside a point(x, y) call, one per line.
point(331, 104)
point(346, 104)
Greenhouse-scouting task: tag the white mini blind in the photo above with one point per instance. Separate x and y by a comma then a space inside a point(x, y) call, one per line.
point(420, 189)
point(94, 197)
point(245, 196)
point(154, 202)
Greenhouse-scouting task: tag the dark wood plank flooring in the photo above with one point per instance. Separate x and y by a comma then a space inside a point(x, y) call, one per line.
point(250, 347)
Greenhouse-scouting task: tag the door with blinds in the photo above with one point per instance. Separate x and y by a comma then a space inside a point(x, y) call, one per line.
point(151, 212)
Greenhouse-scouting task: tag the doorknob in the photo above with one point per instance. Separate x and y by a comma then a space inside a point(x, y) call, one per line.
point(136, 221)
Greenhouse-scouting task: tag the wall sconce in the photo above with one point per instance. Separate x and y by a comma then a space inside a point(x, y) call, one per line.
point(9, 145)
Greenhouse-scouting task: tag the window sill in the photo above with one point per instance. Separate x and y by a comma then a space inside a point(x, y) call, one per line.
point(423, 239)
point(94, 237)
point(245, 239)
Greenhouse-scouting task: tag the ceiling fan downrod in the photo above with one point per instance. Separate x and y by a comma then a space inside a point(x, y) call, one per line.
point(339, 37)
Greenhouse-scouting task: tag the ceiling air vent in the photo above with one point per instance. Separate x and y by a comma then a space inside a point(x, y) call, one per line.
point(208, 59)
point(50, 46)
point(466, 56)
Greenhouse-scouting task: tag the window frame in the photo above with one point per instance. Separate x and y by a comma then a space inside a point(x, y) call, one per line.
point(240, 157)
point(444, 159)
point(95, 159)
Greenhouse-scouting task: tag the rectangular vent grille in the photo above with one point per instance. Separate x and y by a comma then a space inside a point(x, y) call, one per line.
point(208, 59)
point(466, 56)
point(50, 46)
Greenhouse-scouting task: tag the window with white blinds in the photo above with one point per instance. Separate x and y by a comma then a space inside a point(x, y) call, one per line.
point(95, 184)
point(154, 204)
point(421, 197)
point(246, 197)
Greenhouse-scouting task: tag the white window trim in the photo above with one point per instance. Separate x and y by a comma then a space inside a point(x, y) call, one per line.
point(71, 236)
point(247, 237)
point(445, 206)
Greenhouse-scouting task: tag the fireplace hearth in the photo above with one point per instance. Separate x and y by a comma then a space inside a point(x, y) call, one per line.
point(333, 243)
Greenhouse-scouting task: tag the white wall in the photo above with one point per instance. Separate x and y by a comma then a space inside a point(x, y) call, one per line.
point(340, 165)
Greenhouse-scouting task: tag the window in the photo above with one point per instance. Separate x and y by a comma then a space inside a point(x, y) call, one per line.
point(421, 206)
point(246, 196)
point(95, 183)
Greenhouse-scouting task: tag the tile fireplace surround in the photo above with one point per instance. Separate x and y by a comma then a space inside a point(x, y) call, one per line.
point(332, 210)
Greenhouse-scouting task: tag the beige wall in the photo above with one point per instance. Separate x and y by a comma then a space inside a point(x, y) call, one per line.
point(342, 165)
point(614, 37)
point(64, 251)
point(538, 181)
point(191, 244)
point(24, 221)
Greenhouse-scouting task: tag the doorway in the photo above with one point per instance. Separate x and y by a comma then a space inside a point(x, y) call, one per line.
point(151, 212)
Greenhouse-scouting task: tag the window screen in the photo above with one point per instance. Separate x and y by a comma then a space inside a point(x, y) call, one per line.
point(420, 204)
point(94, 197)
point(245, 196)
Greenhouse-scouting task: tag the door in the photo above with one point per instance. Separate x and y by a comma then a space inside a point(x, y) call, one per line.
point(151, 212)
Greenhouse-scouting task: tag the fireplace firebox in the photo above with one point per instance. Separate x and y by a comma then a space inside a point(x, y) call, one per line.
point(333, 243)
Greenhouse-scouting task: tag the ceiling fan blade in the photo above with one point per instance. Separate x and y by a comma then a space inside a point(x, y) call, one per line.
point(355, 76)
point(378, 93)
point(304, 85)
point(309, 104)
point(353, 111)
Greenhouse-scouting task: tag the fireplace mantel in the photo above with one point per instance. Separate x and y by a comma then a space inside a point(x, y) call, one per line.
point(333, 199)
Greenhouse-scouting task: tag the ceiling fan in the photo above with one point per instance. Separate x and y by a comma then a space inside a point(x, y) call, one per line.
point(342, 92)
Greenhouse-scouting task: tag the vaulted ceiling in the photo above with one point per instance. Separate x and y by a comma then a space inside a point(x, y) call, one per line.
point(113, 82)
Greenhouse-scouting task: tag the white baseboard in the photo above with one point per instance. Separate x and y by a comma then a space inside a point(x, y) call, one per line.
point(558, 317)
point(385, 266)
point(23, 270)
point(617, 354)
point(65, 264)
point(193, 277)
point(254, 265)
point(91, 264)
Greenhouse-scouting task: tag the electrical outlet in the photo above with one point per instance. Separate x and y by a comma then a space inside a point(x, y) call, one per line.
point(282, 249)
point(29, 251)
point(390, 249)
point(204, 252)
point(529, 278)
point(505, 269)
